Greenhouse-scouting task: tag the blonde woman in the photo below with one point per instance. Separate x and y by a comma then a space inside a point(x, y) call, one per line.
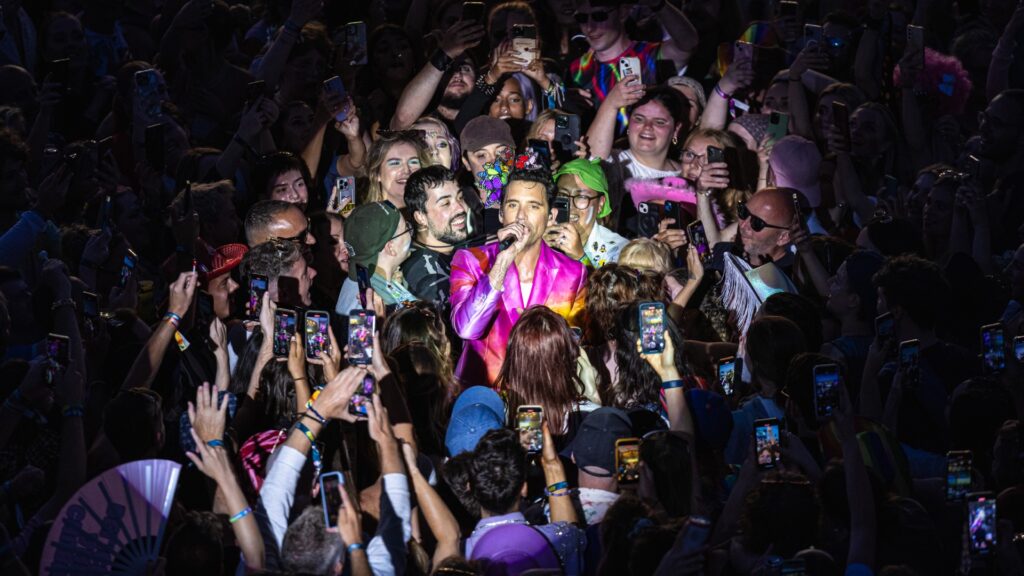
point(393, 157)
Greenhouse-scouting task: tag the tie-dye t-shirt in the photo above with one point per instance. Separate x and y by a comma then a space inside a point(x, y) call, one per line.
point(589, 73)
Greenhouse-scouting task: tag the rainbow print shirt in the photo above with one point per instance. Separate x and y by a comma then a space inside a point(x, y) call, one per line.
point(599, 77)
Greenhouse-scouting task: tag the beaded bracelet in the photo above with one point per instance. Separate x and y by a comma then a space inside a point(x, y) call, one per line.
point(355, 546)
point(215, 443)
point(240, 515)
point(565, 492)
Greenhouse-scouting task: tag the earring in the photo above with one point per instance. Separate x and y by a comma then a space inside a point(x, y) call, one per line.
point(675, 140)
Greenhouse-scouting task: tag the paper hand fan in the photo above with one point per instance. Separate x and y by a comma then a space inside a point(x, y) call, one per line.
point(115, 523)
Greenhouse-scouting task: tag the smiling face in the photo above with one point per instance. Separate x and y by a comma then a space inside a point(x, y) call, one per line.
point(651, 129)
point(400, 161)
point(436, 136)
point(65, 39)
point(290, 187)
point(602, 35)
point(570, 186)
point(526, 203)
point(460, 85)
point(445, 219)
point(510, 103)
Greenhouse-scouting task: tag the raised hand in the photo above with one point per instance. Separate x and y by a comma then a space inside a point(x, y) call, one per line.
point(460, 37)
point(664, 362)
point(182, 293)
point(206, 415)
point(626, 92)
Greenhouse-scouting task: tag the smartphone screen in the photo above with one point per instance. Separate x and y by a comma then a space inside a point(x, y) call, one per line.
point(958, 474)
point(909, 352)
point(561, 204)
point(90, 305)
point(766, 443)
point(364, 395)
point(284, 330)
point(318, 341)
point(147, 89)
point(528, 421)
point(128, 267)
point(360, 336)
point(627, 460)
point(727, 375)
point(813, 33)
point(257, 288)
point(1018, 348)
point(993, 354)
point(652, 327)
point(699, 238)
point(778, 125)
point(355, 43)
point(542, 150)
point(827, 382)
point(884, 326)
point(330, 497)
point(981, 523)
point(338, 87)
point(58, 349)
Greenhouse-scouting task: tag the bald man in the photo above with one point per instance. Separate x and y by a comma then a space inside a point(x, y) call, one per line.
point(762, 232)
point(277, 219)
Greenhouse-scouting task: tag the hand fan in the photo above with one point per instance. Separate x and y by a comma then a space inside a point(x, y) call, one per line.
point(115, 523)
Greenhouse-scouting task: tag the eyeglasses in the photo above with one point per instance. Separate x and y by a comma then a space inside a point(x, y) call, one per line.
point(756, 223)
point(580, 201)
point(301, 237)
point(689, 157)
point(596, 16)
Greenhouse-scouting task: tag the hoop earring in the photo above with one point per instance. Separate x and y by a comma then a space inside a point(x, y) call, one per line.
point(675, 140)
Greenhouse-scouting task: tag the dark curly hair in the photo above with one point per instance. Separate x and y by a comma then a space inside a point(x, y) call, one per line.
point(915, 285)
point(536, 176)
point(498, 470)
point(638, 384)
point(608, 289)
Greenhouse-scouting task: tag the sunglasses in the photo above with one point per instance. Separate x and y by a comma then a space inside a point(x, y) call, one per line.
point(597, 16)
point(756, 223)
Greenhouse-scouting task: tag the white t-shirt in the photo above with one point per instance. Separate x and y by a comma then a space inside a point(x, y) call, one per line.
point(639, 170)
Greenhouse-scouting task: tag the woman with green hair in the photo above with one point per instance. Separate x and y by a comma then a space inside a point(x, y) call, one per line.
point(583, 238)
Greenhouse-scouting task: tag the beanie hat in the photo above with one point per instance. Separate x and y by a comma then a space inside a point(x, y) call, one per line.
point(484, 131)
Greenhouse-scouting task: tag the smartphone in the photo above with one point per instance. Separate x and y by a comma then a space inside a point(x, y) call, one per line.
point(652, 327)
point(334, 84)
point(766, 443)
point(59, 70)
point(362, 397)
point(885, 324)
point(715, 154)
point(258, 285)
point(147, 88)
point(128, 267)
point(346, 187)
point(909, 359)
point(318, 340)
point(363, 282)
point(627, 460)
point(524, 42)
point(90, 305)
point(254, 91)
point(981, 523)
point(153, 140)
point(827, 385)
point(630, 66)
point(567, 133)
point(528, 421)
point(288, 292)
point(727, 375)
point(542, 150)
point(778, 125)
point(695, 534)
point(841, 118)
point(993, 352)
point(561, 204)
point(58, 348)
point(744, 52)
point(915, 40)
point(355, 43)
point(699, 239)
point(284, 330)
point(813, 33)
point(958, 474)
point(1018, 348)
point(330, 497)
point(473, 12)
point(361, 325)
point(648, 219)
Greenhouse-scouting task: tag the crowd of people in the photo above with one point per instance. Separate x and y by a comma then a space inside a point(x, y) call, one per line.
point(582, 287)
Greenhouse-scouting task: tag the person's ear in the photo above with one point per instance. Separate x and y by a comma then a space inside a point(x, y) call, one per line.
point(529, 107)
point(854, 302)
point(784, 238)
point(522, 491)
point(465, 162)
point(420, 219)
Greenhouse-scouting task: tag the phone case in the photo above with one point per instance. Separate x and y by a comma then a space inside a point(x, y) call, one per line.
point(652, 327)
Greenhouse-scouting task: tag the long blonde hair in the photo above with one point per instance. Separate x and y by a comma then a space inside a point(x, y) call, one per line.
point(378, 154)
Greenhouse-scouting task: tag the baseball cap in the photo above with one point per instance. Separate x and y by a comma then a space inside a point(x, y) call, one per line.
point(484, 131)
point(512, 549)
point(476, 411)
point(592, 176)
point(223, 260)
point(368, 228)
point(594, 444)
point(795, 161)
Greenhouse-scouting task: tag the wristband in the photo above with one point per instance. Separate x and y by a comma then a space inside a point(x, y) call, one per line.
point(557, 494)
point(313, 450)
point(173, 319)
point(563, 485)
point(355, 546)
point(670, 384)
point(720, 92)
point(440, 60)
point(488, 90)
point(316, 415)
point(245, 512)
point(215, 443)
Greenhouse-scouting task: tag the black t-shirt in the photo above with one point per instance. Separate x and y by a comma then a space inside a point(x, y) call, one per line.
point(428, 275)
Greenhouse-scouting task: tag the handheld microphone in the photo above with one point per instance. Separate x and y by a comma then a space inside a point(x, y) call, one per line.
point(508, 242)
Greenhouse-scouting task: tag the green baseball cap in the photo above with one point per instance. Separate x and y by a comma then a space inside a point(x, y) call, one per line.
point(590, 172)
point(367, 230)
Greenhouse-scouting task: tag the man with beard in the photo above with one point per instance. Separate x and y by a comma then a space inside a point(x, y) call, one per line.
point(763, 233)
point(439, 212)
point(447, 62)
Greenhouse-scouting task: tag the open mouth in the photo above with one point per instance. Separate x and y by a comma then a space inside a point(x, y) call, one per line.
point(458, 222)
point(649, 137)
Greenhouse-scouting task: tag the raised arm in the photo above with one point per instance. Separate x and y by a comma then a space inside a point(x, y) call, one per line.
point(680, 418)
point(272, 66)
point(867, 64)
point(439, 518)
point(738, 76)
point(1002, 57)
point(147, 363)
point(420, 91)
point(801, 118)
point(601, 134)
point(683, 34)
point(559, 501)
